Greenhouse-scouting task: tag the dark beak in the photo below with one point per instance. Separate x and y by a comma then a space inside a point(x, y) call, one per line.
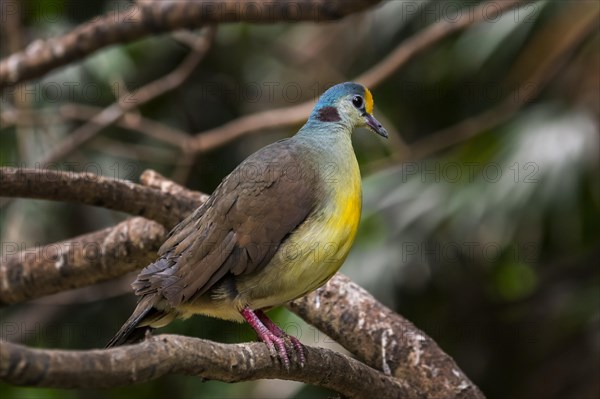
point(375, 126)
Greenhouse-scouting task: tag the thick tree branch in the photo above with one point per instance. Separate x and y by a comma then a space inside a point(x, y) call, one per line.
point(78, 262)
point(172, 354)
point(91, 189)
point(98, 256)
point(343, 310)
point(384, 340)
point(156, 17)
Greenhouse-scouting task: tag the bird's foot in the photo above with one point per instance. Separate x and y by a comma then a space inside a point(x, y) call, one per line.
point(275, 329)
point(273, 336)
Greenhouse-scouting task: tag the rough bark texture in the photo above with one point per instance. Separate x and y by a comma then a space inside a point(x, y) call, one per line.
point(91, 189)
point(411, 363)
point(157, 17)
point(153, 179)
point(78, 262)
point(172, 354)
point(384, 340)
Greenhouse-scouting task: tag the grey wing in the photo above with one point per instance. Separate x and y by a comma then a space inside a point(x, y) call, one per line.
point(238, 229)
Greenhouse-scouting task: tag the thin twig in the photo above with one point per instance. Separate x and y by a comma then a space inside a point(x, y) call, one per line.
point(254, 123)
point(571, 37)
point(126, 102)
point(404, 52)
point(83, 112)
point(289, 116)
point(138, 152)
point(131, 121)
point(434, 34)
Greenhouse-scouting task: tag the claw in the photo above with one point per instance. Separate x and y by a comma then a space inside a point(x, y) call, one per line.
point(276, 330)
point(269, 342)
point(273, 336)
point(299, 349)
point(282, 352)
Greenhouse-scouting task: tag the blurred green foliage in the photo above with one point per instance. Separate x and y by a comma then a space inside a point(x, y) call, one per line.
point(490, 246)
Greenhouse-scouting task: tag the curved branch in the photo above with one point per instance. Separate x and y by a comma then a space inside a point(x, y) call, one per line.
point(98, 256)
point(587, 17)
point(90, 189)
point(151, 178)
point(399, 57)
point(172, 354)
point(156, 17)
point(249, 124)
point(293, 115)
point(384, 340)
point(81, 112)
point(127, 102)
point(347, 313)
point(433, 34)
point(78, 262)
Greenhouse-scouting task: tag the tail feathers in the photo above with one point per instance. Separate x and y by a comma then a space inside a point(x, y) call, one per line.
point(131, 335)
point(132, 331)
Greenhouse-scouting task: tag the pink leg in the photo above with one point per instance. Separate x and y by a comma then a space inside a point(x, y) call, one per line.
point(267, 336)
point(275, 329)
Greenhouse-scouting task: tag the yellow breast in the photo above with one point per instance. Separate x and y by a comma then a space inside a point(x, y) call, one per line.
point(342, 223)
point(315, 251)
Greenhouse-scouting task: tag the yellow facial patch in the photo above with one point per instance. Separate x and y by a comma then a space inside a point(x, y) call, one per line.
point(368, 101)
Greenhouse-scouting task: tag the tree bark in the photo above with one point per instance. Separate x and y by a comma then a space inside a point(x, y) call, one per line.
point(78, 262)
point(384, 340)
point(410, 364)
point(173, 354)
point(154, 17)
point(91, 189)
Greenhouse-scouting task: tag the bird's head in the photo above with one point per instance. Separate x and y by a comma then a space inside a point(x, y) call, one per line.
point(349, 103)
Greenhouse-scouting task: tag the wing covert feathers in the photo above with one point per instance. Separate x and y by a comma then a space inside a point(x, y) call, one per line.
point(238, 230)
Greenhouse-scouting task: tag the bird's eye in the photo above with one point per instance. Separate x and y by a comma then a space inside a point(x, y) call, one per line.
point(357, 101)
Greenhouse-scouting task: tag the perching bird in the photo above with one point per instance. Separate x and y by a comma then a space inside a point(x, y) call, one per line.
point(278, 227)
